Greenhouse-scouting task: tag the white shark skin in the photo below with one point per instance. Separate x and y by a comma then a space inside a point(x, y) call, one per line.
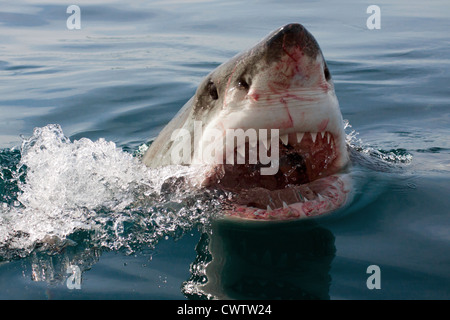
point(289, 93)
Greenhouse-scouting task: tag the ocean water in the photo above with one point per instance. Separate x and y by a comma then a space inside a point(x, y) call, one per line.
point(82, 218)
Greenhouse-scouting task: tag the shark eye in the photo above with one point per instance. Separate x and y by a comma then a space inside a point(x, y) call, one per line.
point(243, 84)
point(212, 89)
point(327, 73)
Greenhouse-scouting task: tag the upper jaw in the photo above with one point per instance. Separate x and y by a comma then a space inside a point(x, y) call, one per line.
point(291, 120)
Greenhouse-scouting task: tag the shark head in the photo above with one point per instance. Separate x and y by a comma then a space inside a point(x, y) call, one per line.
point(269, 127)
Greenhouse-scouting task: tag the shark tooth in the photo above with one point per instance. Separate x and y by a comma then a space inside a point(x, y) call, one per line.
point(241, 151)
point(252, 142)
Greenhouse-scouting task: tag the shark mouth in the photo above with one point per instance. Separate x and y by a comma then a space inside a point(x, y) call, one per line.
point(308, 183)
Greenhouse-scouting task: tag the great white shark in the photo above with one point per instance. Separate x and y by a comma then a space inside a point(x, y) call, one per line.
point(277, 101)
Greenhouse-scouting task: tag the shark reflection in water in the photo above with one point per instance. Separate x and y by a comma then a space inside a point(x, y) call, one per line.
point(262, 260)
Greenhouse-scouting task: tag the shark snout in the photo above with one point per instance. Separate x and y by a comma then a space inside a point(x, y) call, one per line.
point(291, 39)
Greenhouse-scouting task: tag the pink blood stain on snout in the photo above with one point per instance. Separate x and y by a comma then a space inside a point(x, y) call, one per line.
point(254, 96)
point(323, 125)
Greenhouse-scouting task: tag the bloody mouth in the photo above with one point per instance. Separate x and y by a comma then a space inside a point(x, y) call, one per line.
point(308, 182)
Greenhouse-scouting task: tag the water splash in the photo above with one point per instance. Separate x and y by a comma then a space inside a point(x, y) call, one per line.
point(56, 188)
point(393, 156)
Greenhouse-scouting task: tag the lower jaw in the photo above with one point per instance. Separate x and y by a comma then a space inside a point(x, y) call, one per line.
point(316, 198)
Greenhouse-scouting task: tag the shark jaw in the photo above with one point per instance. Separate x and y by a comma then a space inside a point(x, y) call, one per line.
point(309, 181)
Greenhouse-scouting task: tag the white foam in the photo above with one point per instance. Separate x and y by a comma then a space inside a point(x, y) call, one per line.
point(391, 157)
point(88, 185)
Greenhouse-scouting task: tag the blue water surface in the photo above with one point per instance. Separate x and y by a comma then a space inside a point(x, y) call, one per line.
point(109, 88)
